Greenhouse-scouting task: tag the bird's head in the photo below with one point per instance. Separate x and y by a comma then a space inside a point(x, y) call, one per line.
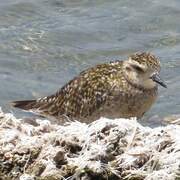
point(142, 70)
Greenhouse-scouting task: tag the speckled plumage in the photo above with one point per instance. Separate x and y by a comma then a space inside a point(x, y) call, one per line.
point(103, 90)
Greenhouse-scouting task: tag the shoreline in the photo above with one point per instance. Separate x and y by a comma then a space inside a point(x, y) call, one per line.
point(104, 149)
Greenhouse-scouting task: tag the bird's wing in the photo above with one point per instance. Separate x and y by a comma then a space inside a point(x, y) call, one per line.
point(80, 97)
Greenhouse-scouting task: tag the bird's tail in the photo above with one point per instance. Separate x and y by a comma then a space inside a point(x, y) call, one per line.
point(26, 104)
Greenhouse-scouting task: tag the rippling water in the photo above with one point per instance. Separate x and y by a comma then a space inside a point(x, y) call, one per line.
point(44, 43)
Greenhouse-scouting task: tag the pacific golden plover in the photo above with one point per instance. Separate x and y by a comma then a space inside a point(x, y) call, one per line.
point(119, 89)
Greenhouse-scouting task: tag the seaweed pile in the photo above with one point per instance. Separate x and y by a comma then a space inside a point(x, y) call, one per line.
point(33, 149)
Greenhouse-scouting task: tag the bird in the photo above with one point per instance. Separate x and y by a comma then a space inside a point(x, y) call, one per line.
point(116, 89)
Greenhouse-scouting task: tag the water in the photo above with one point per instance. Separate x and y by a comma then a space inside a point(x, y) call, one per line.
point(45, 43)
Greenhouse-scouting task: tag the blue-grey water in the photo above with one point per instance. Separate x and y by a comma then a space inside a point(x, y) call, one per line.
point(45, 43)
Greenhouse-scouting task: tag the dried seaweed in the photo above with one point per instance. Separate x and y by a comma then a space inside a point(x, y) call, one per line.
point(104, 149)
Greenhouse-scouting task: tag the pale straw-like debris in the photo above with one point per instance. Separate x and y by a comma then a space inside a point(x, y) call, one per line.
point(104, 149)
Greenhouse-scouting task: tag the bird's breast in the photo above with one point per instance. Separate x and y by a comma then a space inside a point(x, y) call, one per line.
point(140, 103)
point(129, 104)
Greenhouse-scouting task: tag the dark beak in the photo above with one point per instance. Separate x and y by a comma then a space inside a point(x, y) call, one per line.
point(156, 78)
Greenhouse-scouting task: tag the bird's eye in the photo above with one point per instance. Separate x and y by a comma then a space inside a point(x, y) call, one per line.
point(139, 69)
